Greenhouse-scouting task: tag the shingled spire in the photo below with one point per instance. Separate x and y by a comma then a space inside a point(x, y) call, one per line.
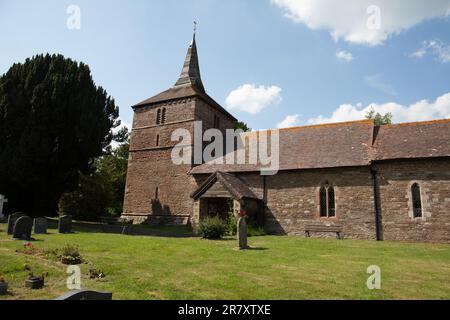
point(191, 69)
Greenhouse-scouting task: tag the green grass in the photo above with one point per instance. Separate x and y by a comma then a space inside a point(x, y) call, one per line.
point(191, 268)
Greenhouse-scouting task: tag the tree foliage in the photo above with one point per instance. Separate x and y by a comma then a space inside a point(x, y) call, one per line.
point(379, 119)
point(242, 126)
point(54, 121)
point(101, 193)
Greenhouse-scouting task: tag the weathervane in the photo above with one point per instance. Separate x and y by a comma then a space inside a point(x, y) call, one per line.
point(195, 26)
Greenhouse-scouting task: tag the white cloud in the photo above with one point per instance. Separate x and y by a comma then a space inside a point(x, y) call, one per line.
point(435, 47)
point(420, 111)
point(357, 21)
point(376, 81)
point(253, 99)
point(344, 55)
point(289, 121)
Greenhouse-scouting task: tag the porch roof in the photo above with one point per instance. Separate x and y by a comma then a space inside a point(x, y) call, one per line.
point(235, 186)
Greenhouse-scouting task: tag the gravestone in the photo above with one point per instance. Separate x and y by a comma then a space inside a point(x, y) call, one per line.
point(12, 218)
point(65, 224)
point(242, 233)
point(40, 226)
point(3, 200)
point(78, 295)
point(22, 228)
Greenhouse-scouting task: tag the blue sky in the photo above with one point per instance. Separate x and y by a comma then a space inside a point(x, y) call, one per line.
point(280, 57)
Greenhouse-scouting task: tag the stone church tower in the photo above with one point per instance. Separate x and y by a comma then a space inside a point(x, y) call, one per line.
point(158, 191)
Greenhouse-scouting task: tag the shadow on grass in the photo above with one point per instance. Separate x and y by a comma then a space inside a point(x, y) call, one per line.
point(134, 230)
point(256, 249)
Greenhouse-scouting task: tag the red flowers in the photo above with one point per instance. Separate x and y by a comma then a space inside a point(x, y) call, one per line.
point(242, 213)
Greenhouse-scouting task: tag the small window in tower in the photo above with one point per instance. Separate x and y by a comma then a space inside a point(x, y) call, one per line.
point(416, 200)
point(156, 193)
point(164, 115)
point(158, 117)
point(157, 140)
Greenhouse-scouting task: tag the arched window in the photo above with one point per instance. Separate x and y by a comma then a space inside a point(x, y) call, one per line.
point(327, 202)
point(416, 200)
point(163, 117)
point(157, 140)
point(323, 202)
point(158, 117)
point(331, 203)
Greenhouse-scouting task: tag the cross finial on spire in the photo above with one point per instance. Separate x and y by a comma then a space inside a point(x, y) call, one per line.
point(195, 27)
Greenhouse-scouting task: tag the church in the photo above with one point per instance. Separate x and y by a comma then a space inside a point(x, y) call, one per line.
point(350, 180)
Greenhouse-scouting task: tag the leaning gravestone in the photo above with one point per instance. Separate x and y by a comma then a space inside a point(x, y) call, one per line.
point(22, 228)
point(242, 233)
point(12, 218)
point(40, 226)
point(65, 224)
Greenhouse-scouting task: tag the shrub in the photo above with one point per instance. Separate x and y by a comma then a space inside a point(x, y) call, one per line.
point(212, 228)
point(70, 255)
point(231, 224)
point(256, 231)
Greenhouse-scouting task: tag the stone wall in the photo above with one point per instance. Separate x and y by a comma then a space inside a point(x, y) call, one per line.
point(395, 180)
point(293, 200)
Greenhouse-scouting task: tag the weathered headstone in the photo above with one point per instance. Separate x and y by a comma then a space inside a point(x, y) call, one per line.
point(40, 226)
point(12, 218)
point(22, 228)
point(3, 200)
point(242, 233)
point(65, 224)
point(78, 295)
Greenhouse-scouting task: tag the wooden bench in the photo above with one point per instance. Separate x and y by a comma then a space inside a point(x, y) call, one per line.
point(323, 228)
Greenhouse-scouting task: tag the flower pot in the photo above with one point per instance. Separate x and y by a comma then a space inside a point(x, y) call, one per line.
point(34, 283)
point(3, 288)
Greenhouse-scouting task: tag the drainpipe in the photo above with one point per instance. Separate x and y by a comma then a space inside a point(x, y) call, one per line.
point(376, 201)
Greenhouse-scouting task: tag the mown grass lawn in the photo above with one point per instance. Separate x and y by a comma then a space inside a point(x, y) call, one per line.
point(191, 268)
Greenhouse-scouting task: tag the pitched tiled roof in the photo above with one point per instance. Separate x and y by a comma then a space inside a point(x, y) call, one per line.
point(236, 187)
point(350, 144)
point(323, 146)
point(413, 140)
point(182, 92)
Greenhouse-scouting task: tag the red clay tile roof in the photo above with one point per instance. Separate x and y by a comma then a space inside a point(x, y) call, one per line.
point(236, 187)
point(413, 140)
point(350, 144)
